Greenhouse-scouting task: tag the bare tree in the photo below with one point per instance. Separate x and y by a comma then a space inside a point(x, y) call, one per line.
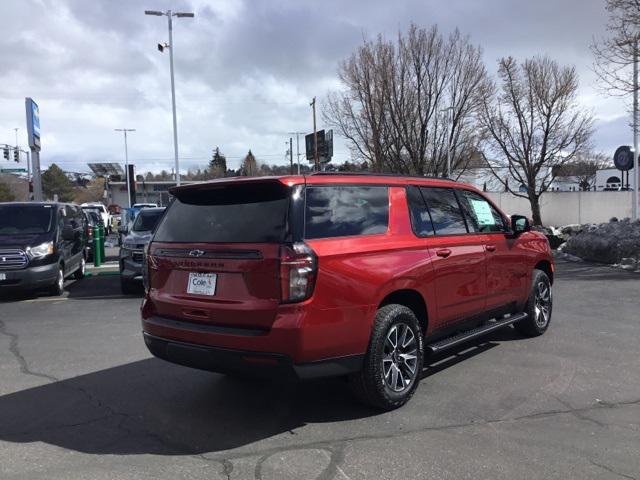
point(614, 54)
point(405, 102)
point(534, 126)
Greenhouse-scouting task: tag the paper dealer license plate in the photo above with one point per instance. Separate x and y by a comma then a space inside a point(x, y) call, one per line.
point(202, 283)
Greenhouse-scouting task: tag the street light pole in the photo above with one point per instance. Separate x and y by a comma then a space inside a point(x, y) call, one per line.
point(636, 168)
point(169, 14)
point(126, 161)
point(449, 111)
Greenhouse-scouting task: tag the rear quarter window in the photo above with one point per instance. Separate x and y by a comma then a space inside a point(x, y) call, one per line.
point(346, 210)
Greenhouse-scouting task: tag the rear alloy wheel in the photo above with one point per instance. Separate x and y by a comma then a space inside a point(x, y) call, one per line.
point(392, 367)
point(80, 272)
point(539, 306)
point(57, 288)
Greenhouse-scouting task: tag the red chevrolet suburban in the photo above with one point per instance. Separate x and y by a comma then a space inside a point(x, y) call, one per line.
point(338, 275)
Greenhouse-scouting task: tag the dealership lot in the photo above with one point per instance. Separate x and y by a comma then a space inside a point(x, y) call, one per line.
point(80, 397)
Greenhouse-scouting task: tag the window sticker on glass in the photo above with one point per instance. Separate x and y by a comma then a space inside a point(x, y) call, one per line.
point(483, 212)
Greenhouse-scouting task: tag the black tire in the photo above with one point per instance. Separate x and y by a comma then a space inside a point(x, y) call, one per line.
point(57, 289)
point(127, 287)
point(79, 273)
point(539, 306)
point(371, 385)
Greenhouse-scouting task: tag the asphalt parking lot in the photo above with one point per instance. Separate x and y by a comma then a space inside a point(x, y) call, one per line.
point(81, 398)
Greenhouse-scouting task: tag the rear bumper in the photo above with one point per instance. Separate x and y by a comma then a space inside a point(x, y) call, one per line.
point(31, 277)
point(258, 364)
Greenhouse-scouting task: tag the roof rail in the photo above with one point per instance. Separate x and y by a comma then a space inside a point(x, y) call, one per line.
point(373, 174)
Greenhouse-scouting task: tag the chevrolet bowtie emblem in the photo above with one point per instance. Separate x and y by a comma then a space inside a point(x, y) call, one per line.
point(196, 253)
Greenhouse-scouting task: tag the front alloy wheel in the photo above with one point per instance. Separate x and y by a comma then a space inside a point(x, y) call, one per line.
point(542, 306)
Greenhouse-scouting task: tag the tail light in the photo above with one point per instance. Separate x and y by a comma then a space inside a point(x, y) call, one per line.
point(298, 270)
point(149, 262)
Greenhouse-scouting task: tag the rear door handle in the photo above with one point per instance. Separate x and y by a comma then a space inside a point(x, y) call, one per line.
point(491, 248)
point(443, 252)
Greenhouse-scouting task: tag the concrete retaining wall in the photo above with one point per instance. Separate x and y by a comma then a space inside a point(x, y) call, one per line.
point(564, 208)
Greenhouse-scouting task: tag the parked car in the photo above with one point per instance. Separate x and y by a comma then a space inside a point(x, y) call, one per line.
point(41, 243)
point(132, 249)
point(338, 275)
point(106, 216)
point(93, 219)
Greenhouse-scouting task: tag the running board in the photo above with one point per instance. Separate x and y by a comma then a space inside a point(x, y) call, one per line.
point(462, 337)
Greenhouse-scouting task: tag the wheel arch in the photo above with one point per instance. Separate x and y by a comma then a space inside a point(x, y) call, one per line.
point(411, 299)
point(546, 267)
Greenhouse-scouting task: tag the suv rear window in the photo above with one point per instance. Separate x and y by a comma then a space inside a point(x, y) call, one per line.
point(240, 213)
point(340, 211)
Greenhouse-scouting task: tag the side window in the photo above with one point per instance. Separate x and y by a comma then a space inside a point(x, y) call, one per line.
point(445, 212)
point(480, 214)
point(340, 211)
point(419, 213)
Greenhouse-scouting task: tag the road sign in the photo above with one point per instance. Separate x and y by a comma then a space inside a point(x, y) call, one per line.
point(623, 158)
point(325, 146)
point(13, 170)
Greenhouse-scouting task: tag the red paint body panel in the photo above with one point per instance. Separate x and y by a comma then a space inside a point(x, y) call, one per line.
point(354, 275)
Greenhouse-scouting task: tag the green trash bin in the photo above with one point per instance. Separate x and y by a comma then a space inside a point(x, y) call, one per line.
point(97, 252)
point(102, 255)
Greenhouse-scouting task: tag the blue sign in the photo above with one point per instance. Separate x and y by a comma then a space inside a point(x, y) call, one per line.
point(33, 123)
point(35, 118)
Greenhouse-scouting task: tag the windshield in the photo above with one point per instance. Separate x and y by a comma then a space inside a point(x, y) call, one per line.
point(25, 219)
point(147, 220)
point(255, 213)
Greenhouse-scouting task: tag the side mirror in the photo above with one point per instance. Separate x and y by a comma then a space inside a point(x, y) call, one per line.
point(122, 230)
point(519, 224)
point(68, 233)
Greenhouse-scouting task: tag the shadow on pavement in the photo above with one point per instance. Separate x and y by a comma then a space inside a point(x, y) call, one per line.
point(154, 407)
point(591, 272)
point(98, 286)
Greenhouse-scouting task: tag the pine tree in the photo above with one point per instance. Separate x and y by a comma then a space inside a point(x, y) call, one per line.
point(56, 182)
point(217, 165)
point(249, 167)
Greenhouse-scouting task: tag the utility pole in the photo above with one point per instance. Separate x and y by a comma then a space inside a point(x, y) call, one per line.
point(297, 134)
point(636, 168)
point(169, 14)
point(316, 161)
point(126, 161)
point(291, 154)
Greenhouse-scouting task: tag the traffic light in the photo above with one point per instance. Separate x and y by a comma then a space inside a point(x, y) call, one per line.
point(6, 153)
point(16, 155)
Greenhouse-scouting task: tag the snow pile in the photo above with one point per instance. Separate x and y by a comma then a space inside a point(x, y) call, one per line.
point(613, 243)
point(559, 235)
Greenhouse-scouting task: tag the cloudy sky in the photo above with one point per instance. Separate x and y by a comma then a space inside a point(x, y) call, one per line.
point(245, 69)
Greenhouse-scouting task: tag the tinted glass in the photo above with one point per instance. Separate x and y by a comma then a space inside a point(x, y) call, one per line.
point(445, 212)
point(241, 213)
point(147, 220)
point(25, 219)
point(480, 215)
point(340, 211)
point(420, 218)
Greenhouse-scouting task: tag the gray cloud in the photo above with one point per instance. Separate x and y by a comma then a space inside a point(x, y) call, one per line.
point(245, 70)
